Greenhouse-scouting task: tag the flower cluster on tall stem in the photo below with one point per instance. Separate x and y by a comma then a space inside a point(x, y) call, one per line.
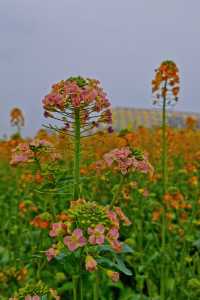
point(81, 105)
point(17, 119)
point(124, 161)
point(88, 224)
point(127, 160)
point(78, 98)
point(29, 152)
point(86, 228)
point(165, 89)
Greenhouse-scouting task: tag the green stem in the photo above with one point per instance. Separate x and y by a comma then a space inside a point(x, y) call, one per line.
point(96, 287)
point(37, 162)
point(117, 193)
point(164, 147)
point(81, 287)
point(77, 144)
point(18, 129)
point(75, 284)
point(164, 183)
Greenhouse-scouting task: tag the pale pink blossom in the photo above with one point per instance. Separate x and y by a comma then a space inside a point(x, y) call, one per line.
point(145, 193)
point(51, 253)
point(122, 216)
point(53, 100)
point(114, 276)
point(112, 237)
point(113, 218)
point(36, 297)
point(123, 160)
point(19, 158)
point(96, 235)
point(75, 240)
point(90, 263)
point(40, 143)
point(57, 229)
point(69, 95)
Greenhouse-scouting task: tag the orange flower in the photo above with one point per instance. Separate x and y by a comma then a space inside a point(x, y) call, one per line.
point(175, 91)
point(156, 214)
point(166, 82)
point(39, 223)
point(169, 216)
point(38, 177)
point(191, 122)
point(193, 181)
point(184, 216)
point(16, 117)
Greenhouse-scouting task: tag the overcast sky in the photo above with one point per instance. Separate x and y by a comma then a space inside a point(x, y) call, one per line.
point(119, 42)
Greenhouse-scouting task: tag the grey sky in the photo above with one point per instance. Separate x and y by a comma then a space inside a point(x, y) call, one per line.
point(118, 42)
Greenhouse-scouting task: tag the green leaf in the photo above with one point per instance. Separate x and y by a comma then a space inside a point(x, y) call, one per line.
point(170, 283)
point(197, 244)
point(61, 256)
point(105, 248)
point(122, 267)
point(105, 262)
point(119, 265)
point(126, 248)
point(65, 287)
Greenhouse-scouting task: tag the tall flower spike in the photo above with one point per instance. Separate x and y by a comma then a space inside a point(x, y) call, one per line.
point(166, 83)
point(81, 105)
point(165, 88)
point(16, 117)
point(81, 96)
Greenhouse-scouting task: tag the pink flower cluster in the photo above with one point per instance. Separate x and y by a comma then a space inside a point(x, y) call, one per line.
point(53, 100)
point(73, 233)
point(28, 297)
point(24, 152)
point(124, 161)
point(96, 235)
point(69, 93)
point(57, 229)
point(51, 253)
point(21, 154)
point(40, 143)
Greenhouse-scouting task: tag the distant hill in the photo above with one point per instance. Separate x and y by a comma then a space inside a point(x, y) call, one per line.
point(125, 117)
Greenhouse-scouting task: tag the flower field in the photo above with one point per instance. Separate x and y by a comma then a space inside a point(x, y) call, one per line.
point(88, 212)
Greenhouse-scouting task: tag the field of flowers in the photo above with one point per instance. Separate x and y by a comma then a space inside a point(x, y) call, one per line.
point(88, 213)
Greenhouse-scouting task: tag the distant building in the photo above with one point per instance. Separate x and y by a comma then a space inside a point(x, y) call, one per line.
point(124, 117)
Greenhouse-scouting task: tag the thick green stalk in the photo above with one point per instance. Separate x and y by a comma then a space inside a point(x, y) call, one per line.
point(164, 183)
point(75, 285)
point(77, 145)
point(164, 146)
